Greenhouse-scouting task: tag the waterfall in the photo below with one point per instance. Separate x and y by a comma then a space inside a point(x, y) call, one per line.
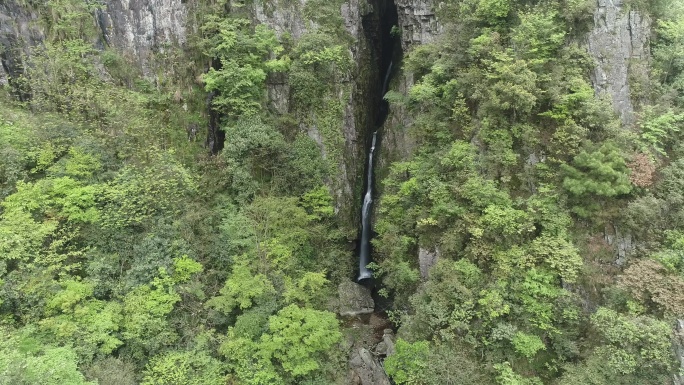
point(386, 82)
point(364, 253)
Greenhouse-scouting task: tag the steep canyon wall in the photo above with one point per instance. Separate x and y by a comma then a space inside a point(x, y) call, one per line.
point(140, 29)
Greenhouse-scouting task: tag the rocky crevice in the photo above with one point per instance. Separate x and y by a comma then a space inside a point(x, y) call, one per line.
point(418, 24)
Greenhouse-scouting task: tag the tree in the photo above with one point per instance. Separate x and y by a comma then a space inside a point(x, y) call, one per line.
point(632, 343)
point(242, 290)
point(22, 362)
point(184, 367)
point(600, 173)
point(409, 363)
point(652, 284)
point(244, 54)
point(300, 339)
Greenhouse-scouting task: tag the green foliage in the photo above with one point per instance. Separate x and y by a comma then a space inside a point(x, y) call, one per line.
point(560, 255)
point(408, 364)
point(318, 61)
point(318, 203)
point(307, 290)
point(629, 350)
point(70, 18)
point(632, 343)
point(244, 56)
point(422, 363)
point(595, 174)
point(123, 247)
point(184, 367)
point(242, 290)
point(668, 47)
point(446, 305)
point(508, 377)
point(538, 36)
point(492, 10)
point(299, 338)
point(111, 371)
point(659, 130)
point(137, 194)
point(527, 345)
point(49, 365)
point(75, 316)
point(145, 325)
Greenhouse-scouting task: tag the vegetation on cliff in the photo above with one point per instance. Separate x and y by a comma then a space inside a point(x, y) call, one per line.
point(130, 255)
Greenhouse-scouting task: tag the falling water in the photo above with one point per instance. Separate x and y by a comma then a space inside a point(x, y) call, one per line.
point(364, 254)
point(386, 82)
point(365, 217)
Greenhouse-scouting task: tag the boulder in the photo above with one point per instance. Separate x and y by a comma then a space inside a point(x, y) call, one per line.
point(366, 369)
point(354, 299)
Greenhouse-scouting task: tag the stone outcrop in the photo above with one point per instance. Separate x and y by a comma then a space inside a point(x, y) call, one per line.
point(620, 241)
point(419, 25)
point(620, 38)
point(18, 31)
point(386, 346)
point(354, 299)
point(418, 22)
point(137, 28)
point(286, 17)
point(678, 378)
point(140, 28)
point(365, 369)
point(427, 259)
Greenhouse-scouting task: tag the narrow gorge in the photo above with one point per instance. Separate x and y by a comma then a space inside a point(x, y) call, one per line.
point(383, 40)
point(341, 192)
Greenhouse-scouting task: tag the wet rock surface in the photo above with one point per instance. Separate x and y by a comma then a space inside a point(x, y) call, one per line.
point(354, 300)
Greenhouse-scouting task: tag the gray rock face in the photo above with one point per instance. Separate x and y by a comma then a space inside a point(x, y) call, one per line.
point(619, 37)
point(141, 27)
point(366, 369)
point(286, 17)
point(354, 299)
point(418, 22)
point(427, 259)
point(678, 378)
point(419, 25)
point(620, 241)
point(283, 16)
point(18, 30)
point(138, 28)
point(386, 346)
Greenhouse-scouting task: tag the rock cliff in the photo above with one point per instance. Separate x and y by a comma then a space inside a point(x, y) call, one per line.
point(142, 27)
point(618, 41)
point(287, 18)
point(418, 25)
point(137, 28)
point(18, 30)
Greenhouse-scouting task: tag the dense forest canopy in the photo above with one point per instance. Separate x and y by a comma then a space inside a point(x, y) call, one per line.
point(130, 253)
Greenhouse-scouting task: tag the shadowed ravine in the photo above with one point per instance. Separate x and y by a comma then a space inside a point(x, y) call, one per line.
point(366, 210)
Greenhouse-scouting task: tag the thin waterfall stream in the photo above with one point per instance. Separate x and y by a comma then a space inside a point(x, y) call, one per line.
point(366, 210)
